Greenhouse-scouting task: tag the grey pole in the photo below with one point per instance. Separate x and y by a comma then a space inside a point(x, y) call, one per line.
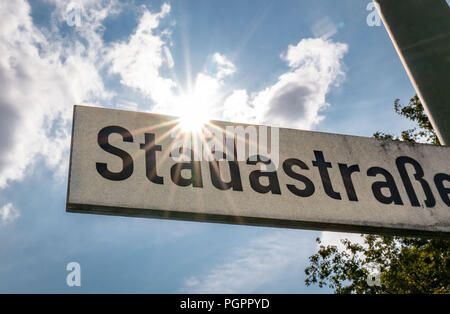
point(420, 31)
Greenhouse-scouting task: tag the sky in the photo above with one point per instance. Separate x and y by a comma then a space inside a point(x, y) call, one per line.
point(315, 65)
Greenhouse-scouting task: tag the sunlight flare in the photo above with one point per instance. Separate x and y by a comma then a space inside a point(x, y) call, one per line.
point(195, 106)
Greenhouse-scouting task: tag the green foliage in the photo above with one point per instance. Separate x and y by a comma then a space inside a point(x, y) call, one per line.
point(406, 265)
point(415, 112)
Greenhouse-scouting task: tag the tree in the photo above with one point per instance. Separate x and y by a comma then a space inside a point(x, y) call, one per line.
point(415, 112)
point(385, 264)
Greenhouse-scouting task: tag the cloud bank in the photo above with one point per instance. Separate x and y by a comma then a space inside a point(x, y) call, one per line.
point(40, 80)
point(299, 95)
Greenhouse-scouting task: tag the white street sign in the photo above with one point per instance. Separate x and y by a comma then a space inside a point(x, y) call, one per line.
point(144, 165)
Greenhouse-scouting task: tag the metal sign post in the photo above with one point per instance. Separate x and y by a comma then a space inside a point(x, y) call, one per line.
point(420, 31)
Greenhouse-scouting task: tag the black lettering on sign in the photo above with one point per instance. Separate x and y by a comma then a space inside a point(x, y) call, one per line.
point(443, 191)
point(194, 167)
point(309, 189)
point(346, 173)
point(102, 168)
point(235, 182)
point(388, 184)
point(189, 173)
point(324, 175)
point(401, 161)
point(255, 183)
point(150, 158)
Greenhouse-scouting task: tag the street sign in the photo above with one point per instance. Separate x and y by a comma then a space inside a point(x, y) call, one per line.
point(145, 165)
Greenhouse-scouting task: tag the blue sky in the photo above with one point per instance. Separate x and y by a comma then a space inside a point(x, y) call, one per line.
point(157, 56)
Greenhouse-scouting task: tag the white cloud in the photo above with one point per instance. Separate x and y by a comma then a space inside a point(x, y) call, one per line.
point(90, 29)
point(263, 260)
point(237, 107)
point(224, 67)
point(42, 76)
point(40, 80)
point(8, 213)
point(297, 97)
point(138, 61)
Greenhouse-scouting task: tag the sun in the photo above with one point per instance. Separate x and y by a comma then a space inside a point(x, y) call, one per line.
point(193, 112)
point(192, 122)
